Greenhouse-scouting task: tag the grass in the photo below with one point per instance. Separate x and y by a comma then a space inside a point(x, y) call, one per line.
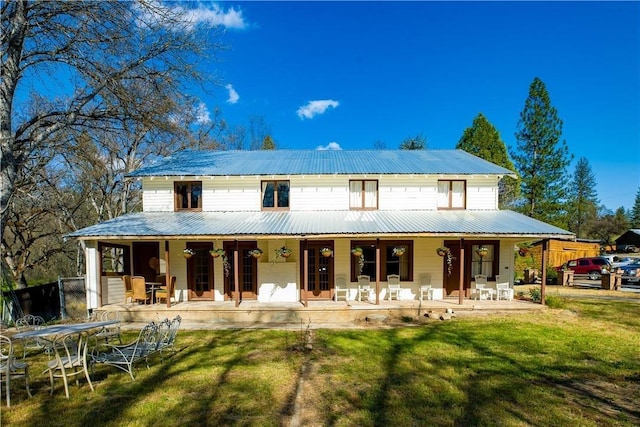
point(575, 365)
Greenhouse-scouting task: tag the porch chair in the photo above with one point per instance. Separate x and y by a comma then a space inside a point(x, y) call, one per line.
point(11, 368)
point(503, 291)
point(364, 288)
point(341, 289)
point(481, 288)
point(393, 286)
point(425, 286)
point(167, 292)
point(140, 292)
point(128, 291)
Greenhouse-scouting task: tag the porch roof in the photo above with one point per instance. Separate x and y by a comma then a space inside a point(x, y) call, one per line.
point(322, 224)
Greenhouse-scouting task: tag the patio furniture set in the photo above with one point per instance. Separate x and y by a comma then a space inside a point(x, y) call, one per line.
point(483, 292)
point(74, 348)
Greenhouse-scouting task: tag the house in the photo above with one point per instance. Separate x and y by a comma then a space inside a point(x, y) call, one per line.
point(629, 241)
point(397, 206)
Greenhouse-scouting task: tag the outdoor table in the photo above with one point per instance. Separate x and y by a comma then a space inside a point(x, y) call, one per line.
point(61, 330)
point(154, 286)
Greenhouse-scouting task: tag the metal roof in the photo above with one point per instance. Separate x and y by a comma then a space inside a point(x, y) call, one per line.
point(167, 225)
point(303, 162)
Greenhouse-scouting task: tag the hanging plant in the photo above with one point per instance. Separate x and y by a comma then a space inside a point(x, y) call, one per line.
point(445, 252)
point(482, 251)
point(523, 251)
point(398, 251)
point(226, 265)
point(216, 252)
point(188, 253)
point(284, 252)
point(360, 263)
point(256, 253)
point(357, 251)
point(326, 252)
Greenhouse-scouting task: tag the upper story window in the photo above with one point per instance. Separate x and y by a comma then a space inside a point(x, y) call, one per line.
point(275, 194)
point(188, 195)
point(452, 194)
point(363, 194)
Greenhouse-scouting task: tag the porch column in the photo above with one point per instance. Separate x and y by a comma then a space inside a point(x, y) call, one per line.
point(543, 287)
point(305, 272)
point(461, 285)
point(378, 272)
point(167, 273)
point(236, 272)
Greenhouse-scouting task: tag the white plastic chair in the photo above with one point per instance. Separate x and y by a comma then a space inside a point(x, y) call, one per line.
point(393, 286)
point(364, 288)
point(503, 291)
point(341, 289)
point(425, 287)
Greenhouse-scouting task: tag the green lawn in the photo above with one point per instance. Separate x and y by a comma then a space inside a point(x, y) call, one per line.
point(577, 366)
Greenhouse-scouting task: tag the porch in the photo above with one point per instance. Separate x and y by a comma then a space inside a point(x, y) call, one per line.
point(219, 314)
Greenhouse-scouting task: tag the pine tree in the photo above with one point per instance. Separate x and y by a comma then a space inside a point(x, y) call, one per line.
point(634, 215)
point(541, 158)
point(483, 140)
point(582, 205)
point(268, 144)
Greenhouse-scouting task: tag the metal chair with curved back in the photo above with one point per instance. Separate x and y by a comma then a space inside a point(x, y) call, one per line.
point(10, 367)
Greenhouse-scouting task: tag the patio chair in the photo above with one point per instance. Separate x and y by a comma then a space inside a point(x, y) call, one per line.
point(364, 288)
point(70, 359)
point(140, 292)
point(128, 291)
point(167, 292)
point(30, 322)
point(425, 287)
point(504, 291)
point(11, 368)
point(111, 332)
point(393, 286)
point(341, 289)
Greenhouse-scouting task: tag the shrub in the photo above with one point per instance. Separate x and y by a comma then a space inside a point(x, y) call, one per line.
point(535, 294)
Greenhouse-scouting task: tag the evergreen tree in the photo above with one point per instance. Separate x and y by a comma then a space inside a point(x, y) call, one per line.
point(483, 140)
point(418, 142)
point(582, 205)
point(268, 143)
point(541, 158)
point(634, 215)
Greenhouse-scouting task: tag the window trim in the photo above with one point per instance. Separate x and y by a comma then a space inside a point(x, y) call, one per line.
point(177, 208)
point(383, 245)
point(450, 195)
point(363, 192)
point(275, 195)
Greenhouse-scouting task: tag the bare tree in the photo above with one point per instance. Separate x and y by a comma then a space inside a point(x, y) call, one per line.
point(88, 89)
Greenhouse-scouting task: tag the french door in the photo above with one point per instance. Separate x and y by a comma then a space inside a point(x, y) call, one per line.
point(320, 283)
point(247, 271)
point(200, 272)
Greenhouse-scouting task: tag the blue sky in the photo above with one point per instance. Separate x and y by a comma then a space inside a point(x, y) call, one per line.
point(348, 74)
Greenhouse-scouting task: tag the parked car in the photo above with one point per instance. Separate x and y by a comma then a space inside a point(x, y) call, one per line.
point(618, 261)
point(631, 272)
point(594, 267)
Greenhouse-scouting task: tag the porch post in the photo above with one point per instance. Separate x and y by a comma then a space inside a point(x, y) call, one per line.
point(305, 271)
point(461, 285)
point(167, 273)
point(378, 272)
point(236, 271)
point(545, 255)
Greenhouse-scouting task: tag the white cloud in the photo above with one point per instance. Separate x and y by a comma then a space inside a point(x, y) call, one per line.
point(233, 95)
point(212, 15)
point(202, 114)
point(316, 107)
point(329, 146)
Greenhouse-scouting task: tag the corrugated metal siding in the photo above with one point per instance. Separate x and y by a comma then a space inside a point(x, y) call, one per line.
point(303, 162)
point(291, 223)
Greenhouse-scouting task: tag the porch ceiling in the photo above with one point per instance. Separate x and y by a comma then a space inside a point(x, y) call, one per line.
point(322, 224)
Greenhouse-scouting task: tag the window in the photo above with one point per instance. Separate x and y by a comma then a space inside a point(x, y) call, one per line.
point(451, 194)
point(114, 259)
point(390, 262)
point(275, 194)
point(486, 264)
point(188, 195)
point(363, 194)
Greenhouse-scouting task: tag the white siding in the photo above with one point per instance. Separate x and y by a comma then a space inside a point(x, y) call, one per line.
point(313, 193)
